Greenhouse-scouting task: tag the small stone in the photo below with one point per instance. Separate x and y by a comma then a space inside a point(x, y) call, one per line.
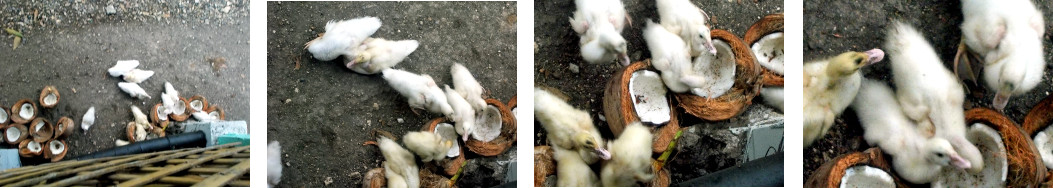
point(375, 105)
point(297, 90)
point(328, 180)
point(288, 100)
point(400, 120)
point(111, 10)
point(226, 9)
point(573, 68)
point(603, 118)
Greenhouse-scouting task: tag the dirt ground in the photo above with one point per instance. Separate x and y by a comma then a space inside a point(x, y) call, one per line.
point(833, 27)
point(70, 44)
point(322, 112)
point(558, 49)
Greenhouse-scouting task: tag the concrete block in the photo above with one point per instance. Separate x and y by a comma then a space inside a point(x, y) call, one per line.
point(214, 129)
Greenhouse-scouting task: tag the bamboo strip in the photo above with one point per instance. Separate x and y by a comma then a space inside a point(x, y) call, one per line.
point(223, 178)
point(157, 175)
point(125, 165)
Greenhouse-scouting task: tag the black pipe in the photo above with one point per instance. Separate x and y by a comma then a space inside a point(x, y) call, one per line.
point(178, 141)
point(763, 172)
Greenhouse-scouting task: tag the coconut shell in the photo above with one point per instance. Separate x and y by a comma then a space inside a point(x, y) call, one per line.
point(164, 124)
point(544, 164)
point(16, 109)
point(58, 157)
point(49, 90)
point(8, 112)
point(216, 108)
point(23, 149)
point(1025, 165)
point(748, 82)
point(154, 116)
point(619, 111)
point(374, 179)
point(186, 111)
point(45, 133)
point(830, 173)
point(130, 130)
point(771, 23)
point(432, 180)
point(661, 179)
point(1039, 117)
point(449, 166)
point(204, 102)
point(502, 142)
point(63, 128)
point(21, 137)
point(512, 102)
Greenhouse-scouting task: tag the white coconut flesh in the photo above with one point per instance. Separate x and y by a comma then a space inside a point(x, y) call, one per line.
point(991, 146)
point(38, 126)
point(769, 52)
point(647, 92)
point(161, 115)
point(717, 70)
point(866, 176)
point(213, 114)
point(197, 105)
point(56, 147)
point(487, 124)
point(26, 112)
point(3, 115)
point(180, 108)
point(12, 133)
point(1045, 146)
point(50, 99)
point(447, 132)
point(34, 146)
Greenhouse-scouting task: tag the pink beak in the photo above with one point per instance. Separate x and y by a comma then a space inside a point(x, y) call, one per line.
point(959, 162)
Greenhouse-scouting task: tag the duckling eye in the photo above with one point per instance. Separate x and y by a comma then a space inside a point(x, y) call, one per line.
point(939, 155)
point(859, 60)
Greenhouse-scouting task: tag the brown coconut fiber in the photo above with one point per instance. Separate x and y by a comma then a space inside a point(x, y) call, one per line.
point(374, 179)
point(830, 173)
point(1025, 164)
point(661, 178)
point(449, 166)
point(544, 164)
point(748, 82)
point(1039, 117)
point(502, 142)
point(771, 23)
point(619, 111)
point(432, 180)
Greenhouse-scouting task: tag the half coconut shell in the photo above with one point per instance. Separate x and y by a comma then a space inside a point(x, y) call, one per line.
point(49, 97)
point(23, 111)
point(772, 23)
point(186, 111)
point(5, 115)
point(130, 132)
point(748, 82)
point(502, 142)
point(29, 148)
point(831, 173)
point(544, 164)
point(156, 113)
point(15, 134)
point(1025, 165)
point(449, 166)
point(618, 107)
point(55, 150)
point(41, 130)
point(198, 103)
point(63, 128)
point(1038, 118)
point(217, 112)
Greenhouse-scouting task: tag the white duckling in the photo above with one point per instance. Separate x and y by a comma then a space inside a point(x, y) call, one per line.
point(630, 158)
point(829, 86)
point(341, 36)
point(1008, 37)
point(170, 101)
point(463, 114)
point(429, 146)
point(88, 120)
point(399, 167)
point(689, 22)
point(572, 171)
point(274, 163)
point(916, 157)
point(376, 54)
point(568, 128)
point(467, 86)
point(669, 55)
point(927, 91)
point(600, 23)
point(122, 66)
point(420, 90)
point(133, 90)
point(137, 75)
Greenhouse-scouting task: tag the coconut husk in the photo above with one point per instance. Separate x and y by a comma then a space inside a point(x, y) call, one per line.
point(1039, 117)
point(432, 180)
point(830, 173)
point(502, 142)
point(17, 109)
point(771, 23)
point(49, 90)
point(8, 112)
point(748, 82)
point(130, 131)
point(154, 116)
point(54, 157)
point(619, 111)
point(186, 111)
point(374, 179)
point(216, 108)
point(661, 179)
point(204, 101)
point(449, 166)
point(544, 164)
point(23, 149)
point(45, 133)
point(21, 137)
point(1025, 164)
point(63, 128)
point(512, 102)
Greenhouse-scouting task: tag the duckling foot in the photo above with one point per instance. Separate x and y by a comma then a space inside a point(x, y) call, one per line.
point(964, 63)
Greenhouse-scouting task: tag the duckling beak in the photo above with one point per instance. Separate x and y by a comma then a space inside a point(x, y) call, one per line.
point(603, 153)
point(959, 162)
point(625, 59)
point(1001, 99)
point(465, 136)
point(709, 45)
point(875, 55)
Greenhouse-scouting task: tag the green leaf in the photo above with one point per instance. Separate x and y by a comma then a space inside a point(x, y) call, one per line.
point(13, 32)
